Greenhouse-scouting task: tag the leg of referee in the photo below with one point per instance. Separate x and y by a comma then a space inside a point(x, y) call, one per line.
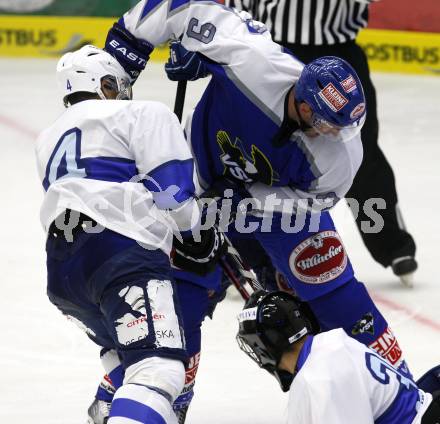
point(393, 245)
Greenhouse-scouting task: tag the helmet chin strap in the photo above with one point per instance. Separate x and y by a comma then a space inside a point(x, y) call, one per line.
point(303, 125)
point(289, 125)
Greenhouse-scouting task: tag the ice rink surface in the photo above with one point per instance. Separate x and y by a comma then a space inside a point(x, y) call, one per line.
point(50, 369)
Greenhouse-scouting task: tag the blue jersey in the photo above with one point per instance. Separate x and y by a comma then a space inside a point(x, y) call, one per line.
point(243, 107)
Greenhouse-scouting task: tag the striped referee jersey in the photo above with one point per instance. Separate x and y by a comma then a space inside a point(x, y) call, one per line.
point(308, 22)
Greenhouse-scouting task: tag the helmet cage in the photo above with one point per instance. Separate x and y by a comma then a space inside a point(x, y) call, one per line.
point(334, 132)
point(121, 86)
point(253, 346)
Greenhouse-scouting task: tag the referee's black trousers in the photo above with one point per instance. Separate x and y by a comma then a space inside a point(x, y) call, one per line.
point(375, 178)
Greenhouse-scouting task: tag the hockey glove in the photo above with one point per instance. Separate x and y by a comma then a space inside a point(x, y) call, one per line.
point(132, 53)
point(184, 65)
point(199, 257)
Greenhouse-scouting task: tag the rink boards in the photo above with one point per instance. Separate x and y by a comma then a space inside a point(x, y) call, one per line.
point(51, 36)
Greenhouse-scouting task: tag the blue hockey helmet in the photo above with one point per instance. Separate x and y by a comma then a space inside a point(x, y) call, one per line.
point(332, 89)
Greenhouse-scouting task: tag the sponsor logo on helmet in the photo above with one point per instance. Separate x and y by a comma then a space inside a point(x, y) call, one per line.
point(357, 111)
point(349, 84)
point(319, 259)
point(332, 97)
point(247, 314)
point(364, 325)
point(387, 347)
point(298, 335)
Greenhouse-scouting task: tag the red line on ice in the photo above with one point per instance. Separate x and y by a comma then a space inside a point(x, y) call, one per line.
point(16, 126)
point(427, 322)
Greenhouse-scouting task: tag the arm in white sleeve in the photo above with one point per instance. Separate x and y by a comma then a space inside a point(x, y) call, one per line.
point(225, 37)
point(207, 27)
point(246, 5)
point(164, 160)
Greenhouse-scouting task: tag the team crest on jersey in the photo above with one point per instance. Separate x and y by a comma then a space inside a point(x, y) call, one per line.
point(332, 97)
point(243, 167)
point(319, 259)
point(364, 325)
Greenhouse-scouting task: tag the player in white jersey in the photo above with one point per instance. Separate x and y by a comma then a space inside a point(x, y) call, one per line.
point(119, 184)
point(331, 378)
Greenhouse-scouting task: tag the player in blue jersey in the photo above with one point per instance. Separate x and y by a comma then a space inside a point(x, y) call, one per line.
point(287, 133)
point(110, 210)
point(331, 378)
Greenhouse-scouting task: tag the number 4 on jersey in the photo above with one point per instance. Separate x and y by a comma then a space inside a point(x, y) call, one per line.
point(65, 158)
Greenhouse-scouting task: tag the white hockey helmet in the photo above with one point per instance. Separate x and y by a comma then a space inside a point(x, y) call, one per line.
point(83, 71)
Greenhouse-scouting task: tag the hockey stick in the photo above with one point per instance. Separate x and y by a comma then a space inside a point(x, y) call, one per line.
point(232, 261)
point(180, 99)
point(236, 262)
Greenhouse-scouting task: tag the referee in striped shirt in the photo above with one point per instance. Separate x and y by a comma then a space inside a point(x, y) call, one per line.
point(314, 28)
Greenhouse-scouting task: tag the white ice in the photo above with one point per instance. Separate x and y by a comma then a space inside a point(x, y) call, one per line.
point(49, 370)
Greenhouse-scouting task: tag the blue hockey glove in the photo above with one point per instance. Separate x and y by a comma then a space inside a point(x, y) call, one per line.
point(130, 52)
point(184, 65)
point(430, 381)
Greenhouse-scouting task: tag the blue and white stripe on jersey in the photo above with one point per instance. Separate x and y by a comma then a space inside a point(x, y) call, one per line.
point(405, 404)
point(161, 181)
point(95, 158)
point(117, 170)
point(341, 380)
point(403, 410)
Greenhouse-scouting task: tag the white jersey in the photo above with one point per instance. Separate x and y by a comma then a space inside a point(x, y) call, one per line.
point(123, 164)
point(243, 106)
point(341, 381)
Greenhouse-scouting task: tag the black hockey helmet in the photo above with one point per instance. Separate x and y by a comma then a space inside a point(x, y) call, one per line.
point(269, 324)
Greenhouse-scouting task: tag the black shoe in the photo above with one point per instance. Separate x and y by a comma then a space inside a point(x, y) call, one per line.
point(404, 268)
